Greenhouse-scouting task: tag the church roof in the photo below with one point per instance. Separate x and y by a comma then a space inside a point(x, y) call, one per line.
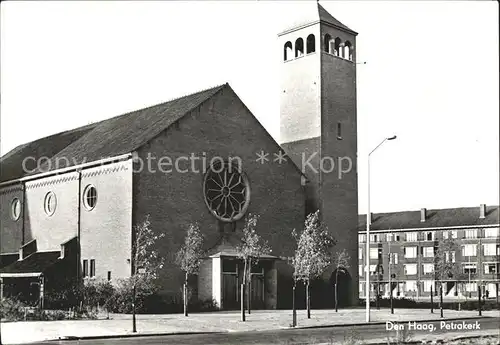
point(112, 137)
point(309, 13)
point(37, 262)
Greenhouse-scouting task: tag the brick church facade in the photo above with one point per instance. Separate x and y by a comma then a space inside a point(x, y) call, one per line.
point(74, 214)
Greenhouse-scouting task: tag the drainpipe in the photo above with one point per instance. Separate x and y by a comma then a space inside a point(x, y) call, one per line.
point(78, 232)
point(23, 210)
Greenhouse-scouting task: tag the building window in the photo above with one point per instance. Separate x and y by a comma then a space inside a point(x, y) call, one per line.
point(92, 268)
point(410, 269)
point(411, 285)
point(373, 269)
point(360, 253)
point(375, 238)
point(470, 268)
point(428, 284)
point(50, 203)
point(85, 268)
point(373, 253)
point(449, 256)
point(429, 236)
point(428, 268)
point(393, 258)
point(410, 252)
point(361, 270)
point(469, 250)
point(454, 234)
point(489, 249)
point(445, 235)
point(15, 209)
point(411, 237)
point(89, 197)
point(428, 252)
point(361, 238)
point(471, 234)
point(471, 287)
point(491, 233)
point(490, 268)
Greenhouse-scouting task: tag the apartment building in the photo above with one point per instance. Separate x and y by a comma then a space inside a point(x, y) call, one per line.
point(404, 246)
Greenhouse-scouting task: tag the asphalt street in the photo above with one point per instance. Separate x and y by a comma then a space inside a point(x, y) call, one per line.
point(302, 336)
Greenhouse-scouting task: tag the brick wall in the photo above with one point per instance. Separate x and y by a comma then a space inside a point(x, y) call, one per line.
point(339, 192)
point(222, 127)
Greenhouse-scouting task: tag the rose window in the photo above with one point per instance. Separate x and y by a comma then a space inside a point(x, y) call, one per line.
point(226, 191)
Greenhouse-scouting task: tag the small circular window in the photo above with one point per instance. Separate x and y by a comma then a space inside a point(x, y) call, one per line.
point(89, 197)
point(50, 203)
point(15, 211)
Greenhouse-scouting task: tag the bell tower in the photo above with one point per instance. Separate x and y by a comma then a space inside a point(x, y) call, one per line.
point(318, 127)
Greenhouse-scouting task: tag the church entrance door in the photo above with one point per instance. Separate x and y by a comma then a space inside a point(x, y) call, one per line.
point(230, 292)
point(230, 284)
point(257, 292)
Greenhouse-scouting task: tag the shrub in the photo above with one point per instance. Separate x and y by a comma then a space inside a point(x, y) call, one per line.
point(121, 298)
point(12, 309)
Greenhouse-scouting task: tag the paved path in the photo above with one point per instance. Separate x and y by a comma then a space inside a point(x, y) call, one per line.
point(371, 334)
point(31, 331)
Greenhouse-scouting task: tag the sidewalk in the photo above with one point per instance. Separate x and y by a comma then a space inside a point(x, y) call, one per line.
point(120, 324)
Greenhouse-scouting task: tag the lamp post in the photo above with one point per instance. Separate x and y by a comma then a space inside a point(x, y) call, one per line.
point(368, 221)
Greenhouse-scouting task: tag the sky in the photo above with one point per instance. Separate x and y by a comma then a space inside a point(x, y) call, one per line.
point(431, 78)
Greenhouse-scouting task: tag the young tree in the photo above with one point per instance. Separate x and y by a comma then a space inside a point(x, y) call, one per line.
point(146, 260)
point(252, 247)
point(189, 257)
point(445, 267)
point(341, 262)
point(312, 255)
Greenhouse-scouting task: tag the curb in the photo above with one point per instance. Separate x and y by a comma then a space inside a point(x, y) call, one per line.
point(383, 322)
point(440, 341)
point(130, 335)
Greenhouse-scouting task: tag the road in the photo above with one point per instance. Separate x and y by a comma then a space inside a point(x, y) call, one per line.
point(292, 336)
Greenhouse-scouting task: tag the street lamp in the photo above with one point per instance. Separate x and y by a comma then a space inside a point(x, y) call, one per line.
point(368, 221)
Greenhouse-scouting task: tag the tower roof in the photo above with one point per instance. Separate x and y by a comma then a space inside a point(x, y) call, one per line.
point(304, 14)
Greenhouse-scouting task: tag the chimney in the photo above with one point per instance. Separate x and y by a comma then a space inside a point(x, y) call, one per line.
point(423, 214)
point(482, 211)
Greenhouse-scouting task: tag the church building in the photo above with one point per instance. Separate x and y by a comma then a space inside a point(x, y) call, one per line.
point(70, 201)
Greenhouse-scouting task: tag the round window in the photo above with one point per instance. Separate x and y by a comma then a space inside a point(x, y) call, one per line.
point(90, 197)
point(226, 191)
point(15, 211)
point(50, 203)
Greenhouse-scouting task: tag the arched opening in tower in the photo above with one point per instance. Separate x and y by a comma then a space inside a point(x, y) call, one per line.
point(311, 44)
